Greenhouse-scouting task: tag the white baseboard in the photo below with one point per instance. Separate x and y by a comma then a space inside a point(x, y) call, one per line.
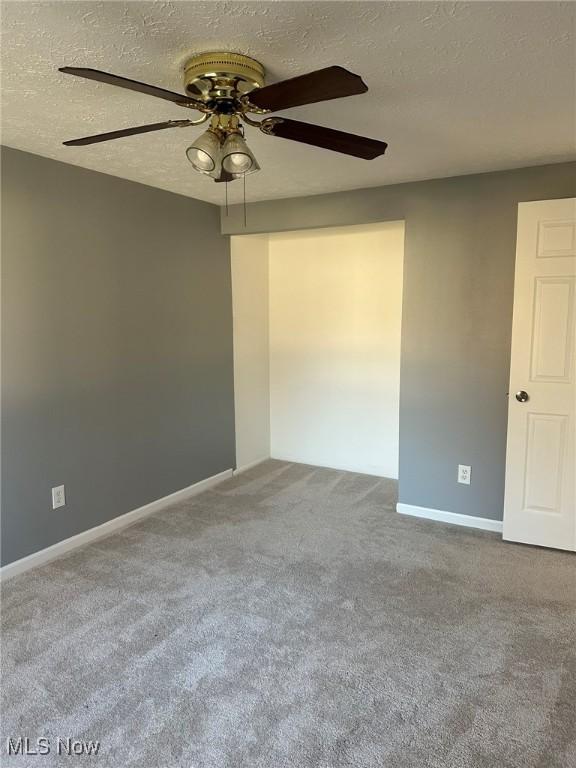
point(450, 517)
point(246, 467)
point(110, 526)
point(357, 470)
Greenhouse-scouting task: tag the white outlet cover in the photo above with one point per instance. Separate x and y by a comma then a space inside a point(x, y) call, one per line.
point(464, 474)
point(58, 497)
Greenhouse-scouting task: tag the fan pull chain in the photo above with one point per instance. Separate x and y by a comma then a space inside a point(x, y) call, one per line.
point(244, 178)
point(226, 188)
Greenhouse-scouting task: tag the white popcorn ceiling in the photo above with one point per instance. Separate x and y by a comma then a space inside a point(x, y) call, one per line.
point(455, 88)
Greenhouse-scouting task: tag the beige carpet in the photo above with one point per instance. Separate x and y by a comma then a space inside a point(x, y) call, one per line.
point(291, 619)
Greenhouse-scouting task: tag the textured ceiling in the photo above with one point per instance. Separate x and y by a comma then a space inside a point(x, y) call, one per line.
point(454, 87)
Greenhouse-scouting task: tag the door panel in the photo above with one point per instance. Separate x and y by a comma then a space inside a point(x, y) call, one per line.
point(545, 457)
point(540, 498)
point(556, 238)
point(552, 343)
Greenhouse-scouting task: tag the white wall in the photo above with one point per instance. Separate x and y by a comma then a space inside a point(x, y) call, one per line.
point(251, 348)
point(317, 317)
point(335, 319)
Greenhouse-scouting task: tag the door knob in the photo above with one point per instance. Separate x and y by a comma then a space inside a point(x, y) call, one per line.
point(522, 396)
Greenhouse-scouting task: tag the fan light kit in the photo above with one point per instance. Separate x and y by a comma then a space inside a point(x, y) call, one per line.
point(221, 152)
point(227, 88)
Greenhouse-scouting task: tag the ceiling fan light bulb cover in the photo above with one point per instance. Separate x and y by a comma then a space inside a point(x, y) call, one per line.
point(200, 160)
point(255, 167)
point(204, 154)
point(237, 157)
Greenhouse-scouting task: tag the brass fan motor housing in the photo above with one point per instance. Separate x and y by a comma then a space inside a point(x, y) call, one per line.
point(222, 75)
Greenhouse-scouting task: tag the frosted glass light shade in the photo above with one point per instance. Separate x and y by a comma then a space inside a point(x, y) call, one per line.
point(204, 154)
point(237, 157)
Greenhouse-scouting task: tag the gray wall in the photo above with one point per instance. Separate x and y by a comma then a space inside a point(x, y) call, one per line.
point(457, 315)
point(117, 348)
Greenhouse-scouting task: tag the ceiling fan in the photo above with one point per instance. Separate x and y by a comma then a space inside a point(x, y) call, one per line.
point(229, 87)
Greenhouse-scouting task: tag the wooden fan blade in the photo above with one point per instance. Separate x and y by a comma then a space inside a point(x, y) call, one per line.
point(321, 85)
point(127, 132)
point(327, 138)
point(124, 82)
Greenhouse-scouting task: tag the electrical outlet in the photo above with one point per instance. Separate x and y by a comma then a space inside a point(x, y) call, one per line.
point(58, 497)
point(464, 473)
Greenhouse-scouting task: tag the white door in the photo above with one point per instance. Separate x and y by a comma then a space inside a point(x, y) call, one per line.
point(540, 498)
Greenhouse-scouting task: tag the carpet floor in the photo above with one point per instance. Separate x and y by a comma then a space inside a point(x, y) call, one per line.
point(290, 618)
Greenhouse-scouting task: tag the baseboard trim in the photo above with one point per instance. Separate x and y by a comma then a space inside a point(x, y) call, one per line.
point(110, 526)
point(453, 518)
point(250, 465)
point(370, 471)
